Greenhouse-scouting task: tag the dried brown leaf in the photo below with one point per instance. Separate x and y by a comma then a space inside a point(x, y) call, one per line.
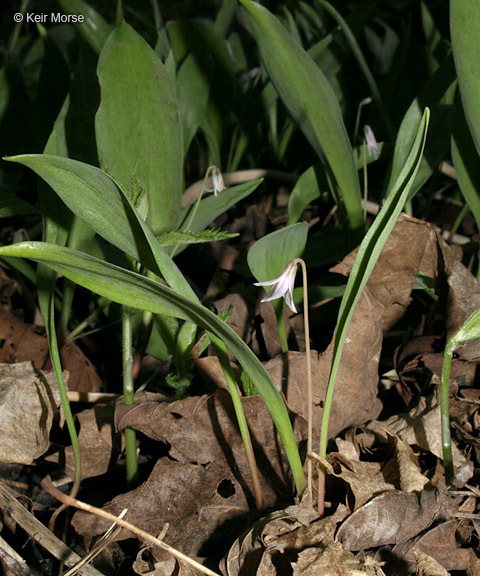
point(365, 479)
point(190, 497)
point(440, 544)
point(388, 519)
point(421, 426)
point(411, 478)
point(83, 376)
point(427, 566)
point(204, 429)
point(29, 401)
point(21, 342)
point(279, 537)
point(412, 246)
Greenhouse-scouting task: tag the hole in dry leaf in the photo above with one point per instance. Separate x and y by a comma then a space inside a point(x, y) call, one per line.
point(226, 488)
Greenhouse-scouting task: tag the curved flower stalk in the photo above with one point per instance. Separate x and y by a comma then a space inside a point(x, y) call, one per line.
point(282, 287)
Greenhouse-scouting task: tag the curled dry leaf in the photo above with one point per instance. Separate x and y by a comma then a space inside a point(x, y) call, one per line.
point(29, 401)
point(411, 479)
point(421, 426)
point(365, 479)
point(427, 566)
point(333, 560)
point(389, 518)
point(100, 445)
point(280, 536)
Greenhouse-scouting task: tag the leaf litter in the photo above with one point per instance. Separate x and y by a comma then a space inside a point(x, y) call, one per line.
point(388, 505)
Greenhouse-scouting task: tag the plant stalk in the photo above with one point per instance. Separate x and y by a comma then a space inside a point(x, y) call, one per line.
point(128, 397)
point(445, 418)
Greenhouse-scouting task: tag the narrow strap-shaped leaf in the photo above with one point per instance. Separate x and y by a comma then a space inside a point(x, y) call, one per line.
point(136, 291)
point(367, 256)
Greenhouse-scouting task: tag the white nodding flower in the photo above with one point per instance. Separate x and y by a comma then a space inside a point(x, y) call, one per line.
point(282, 287)
point(217, 181)
point(372, 145)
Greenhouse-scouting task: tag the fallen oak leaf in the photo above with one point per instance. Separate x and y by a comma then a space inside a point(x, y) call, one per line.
point(48, 486)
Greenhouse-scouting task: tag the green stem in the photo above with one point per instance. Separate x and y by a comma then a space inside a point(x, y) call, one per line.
point(278, 307)
point(193, 211)
point(128, 397)
point(222, 355)
point(446, 439)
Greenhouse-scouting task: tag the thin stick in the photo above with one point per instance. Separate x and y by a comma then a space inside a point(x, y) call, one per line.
point(48, 486)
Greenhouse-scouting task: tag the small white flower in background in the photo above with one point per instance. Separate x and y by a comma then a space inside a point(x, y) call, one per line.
point(371, 141)
point(282, 287)
point(217, 181)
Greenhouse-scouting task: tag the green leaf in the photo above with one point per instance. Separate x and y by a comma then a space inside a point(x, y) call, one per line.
point(308, 188)
point(466, 163)
point(186, 237)
point(465, 34)
point(439, 133)
point(10, 205)
point(94, 28)
point(101, 203)
point(310, 100)
point(367, 256)
point(213, 206)
point(269, 256)
point(193, 87)
point(136, 291)
point(137, 125)
point(470, 330)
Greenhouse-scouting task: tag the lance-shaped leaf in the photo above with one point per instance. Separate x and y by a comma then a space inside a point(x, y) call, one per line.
point(465, 32)
point(136, 291)
point(367, 256)
point(137, 125)
point(101, 203)
point(311, 101)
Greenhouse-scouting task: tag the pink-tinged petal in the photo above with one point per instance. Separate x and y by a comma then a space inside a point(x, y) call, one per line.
point(371, 141)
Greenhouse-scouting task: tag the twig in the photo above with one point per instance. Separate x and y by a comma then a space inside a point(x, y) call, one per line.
point(48, 486)
point(40, 533)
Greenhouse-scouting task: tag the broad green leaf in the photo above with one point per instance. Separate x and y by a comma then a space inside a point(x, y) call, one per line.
point(366, 258)
point(94, 28)
point(136, 291)
point(439, 133)
point(137, 125)
point(467, 165)
point(269, 256)
point(193, 87)
point(100, 202)
point(310, 100)
point(465, 33)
